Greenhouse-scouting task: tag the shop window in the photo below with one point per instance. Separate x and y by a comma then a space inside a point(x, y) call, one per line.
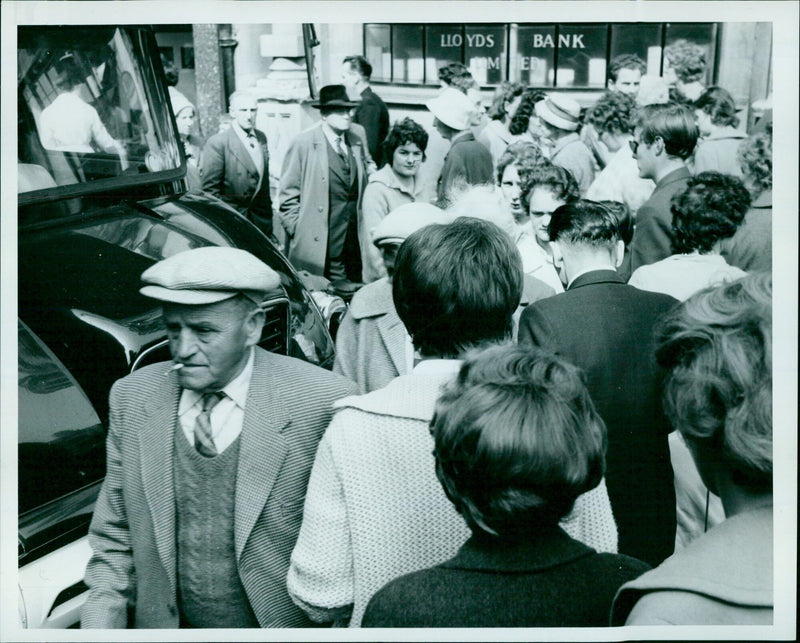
point(639, 39)
point(187, 57)
point(702, 34)
point(378, 50)
point(407, 65)
point(535, 55)
point(443, 44)
point(581, 56)
point(485, 53)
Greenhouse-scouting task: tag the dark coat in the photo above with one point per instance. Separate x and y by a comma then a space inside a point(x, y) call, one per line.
point(468, 161)
point(652, 237)
point(606, 327)
point(549, 581)
point(751, 247)
point(230, 174)
point(373, 115)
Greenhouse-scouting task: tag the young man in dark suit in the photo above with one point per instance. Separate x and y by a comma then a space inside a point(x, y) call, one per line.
point(664, 139)
point(606, 327)
point(235, 164)
point(371, 113)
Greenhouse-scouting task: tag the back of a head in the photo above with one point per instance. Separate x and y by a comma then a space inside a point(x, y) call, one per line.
point(672, 123)
point(360, 65)
point(710, 209)
point(517, 440)
point(755, 159)
point(506, 92)
point(452, 70)
point(687, 59)
point(717, 350)
point(457, 286)
point(653, 90)
point(484, 202)
point(719, 105)
point(519, 121)
point(624, 219)
point(555, 178)
point(585, 223)
point(613, 113)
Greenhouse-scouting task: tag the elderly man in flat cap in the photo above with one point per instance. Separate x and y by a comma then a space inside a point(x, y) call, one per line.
point(208, 458)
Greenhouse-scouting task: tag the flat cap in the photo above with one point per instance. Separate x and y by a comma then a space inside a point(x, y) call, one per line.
point(208, 275)
point(406, 219)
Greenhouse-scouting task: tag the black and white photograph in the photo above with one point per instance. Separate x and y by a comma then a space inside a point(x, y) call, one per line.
point(399, 321)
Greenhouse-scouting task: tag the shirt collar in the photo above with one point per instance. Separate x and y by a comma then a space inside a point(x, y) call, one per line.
point(241, 133)
point(237, 389)
point(332, 136)
point(437, 367)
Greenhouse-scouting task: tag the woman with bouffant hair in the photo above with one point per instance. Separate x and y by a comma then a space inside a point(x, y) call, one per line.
point(516, 440)
point(717, 350)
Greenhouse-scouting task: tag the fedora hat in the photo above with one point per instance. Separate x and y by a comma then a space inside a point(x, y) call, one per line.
point(333, 96)
point(559, 111)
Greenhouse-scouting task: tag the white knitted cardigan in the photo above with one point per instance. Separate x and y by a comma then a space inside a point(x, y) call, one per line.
point(375, 510)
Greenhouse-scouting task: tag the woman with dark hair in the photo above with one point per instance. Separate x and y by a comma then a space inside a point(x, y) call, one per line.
point(717, 350)
point(374, 509)
point(710, 210)
point(395, 184)
point(516, 441)
point(495, 136)
point(519, 159)
point(525, 125)
point(716, 150)
point(685, 70)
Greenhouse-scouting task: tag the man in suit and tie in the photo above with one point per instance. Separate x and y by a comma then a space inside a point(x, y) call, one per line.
point(664, 139)
point(235, 164)
point(208, 459)
point(605, 327)
point(322, 181)
point(371, 113)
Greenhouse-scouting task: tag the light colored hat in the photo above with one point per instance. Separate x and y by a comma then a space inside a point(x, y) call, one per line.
point(208, 275)
point(179, 101)
point(453, 108)
point(406, 219)
point(560, 111)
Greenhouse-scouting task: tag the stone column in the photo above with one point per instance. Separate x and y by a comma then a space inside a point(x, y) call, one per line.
point(208, 76)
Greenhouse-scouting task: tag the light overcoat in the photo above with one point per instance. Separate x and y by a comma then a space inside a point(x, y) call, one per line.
point(132, 575)
point(304, 197)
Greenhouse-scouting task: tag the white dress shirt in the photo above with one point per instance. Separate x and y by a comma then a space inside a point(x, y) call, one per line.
point(226, 417)
point(251, 144)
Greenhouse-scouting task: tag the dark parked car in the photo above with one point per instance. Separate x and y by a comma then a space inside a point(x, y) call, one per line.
point(98, 204)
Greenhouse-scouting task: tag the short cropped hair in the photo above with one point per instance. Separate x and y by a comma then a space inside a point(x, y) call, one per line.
point(711, 208)
point(457, 286)
point(553, 177)
point(402, 132)
point(625, 61)
point(524, 154)
point(755, 159)
point(687, 59)
point(517, 440)
point(585, 223)
point(519, 121)
point(506, 92)
point(452, 70)
point(674, 124)
point(361, 65)
point(613, 113)
point(717, 350)
point(624, 219)
point(719, 105)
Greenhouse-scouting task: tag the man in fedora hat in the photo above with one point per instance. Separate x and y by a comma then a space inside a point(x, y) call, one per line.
point(468, 162)
point(235, 164)
point(208, 458)
point(322, 181)
point(561, 115)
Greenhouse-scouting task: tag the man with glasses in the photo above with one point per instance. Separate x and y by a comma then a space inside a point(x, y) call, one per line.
point(664, 138)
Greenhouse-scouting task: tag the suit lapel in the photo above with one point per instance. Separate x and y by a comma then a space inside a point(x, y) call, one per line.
point(321, 152)
point(394, 340)
point(156, 445)
point(358, 155)
point(262, 448)
point(238, 149)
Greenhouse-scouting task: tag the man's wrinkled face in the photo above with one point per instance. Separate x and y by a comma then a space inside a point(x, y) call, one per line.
point(212, 341)
point(627, 82)
point(243, 111)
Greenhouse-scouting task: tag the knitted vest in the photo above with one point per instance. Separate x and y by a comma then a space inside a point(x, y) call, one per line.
point(210, 593)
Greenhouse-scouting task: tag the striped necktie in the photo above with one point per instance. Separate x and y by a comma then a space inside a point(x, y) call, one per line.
point(203, 440)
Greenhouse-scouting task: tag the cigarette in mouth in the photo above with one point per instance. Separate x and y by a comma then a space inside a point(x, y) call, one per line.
point(175, 367)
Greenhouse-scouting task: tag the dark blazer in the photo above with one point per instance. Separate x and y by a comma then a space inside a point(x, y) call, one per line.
point(549, 581)
point(606, 327)
point(132, 570)
point(468, 161)
point(230, 174)
point(373, 115)
point(652, 236)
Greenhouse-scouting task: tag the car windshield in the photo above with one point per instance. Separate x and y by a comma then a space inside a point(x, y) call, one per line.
point(91, 113)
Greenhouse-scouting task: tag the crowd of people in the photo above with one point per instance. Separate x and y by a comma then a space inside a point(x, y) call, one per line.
point(551, 398)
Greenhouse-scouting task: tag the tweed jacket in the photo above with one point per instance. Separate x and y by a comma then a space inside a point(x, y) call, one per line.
point(571, 153)
point(132, 574)
point(652, 235)
point(725, 577)
point(373, 115)
point(304, 194)
point(467, 161)
point(228, 172)
point(550, 580)
point(605, 327)
point(371, 342)
point(375, 509)
point(751, 247)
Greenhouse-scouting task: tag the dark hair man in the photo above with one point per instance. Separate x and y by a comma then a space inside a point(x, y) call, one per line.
point(625, 73)
point(664, 138)
point(605, 327)
point(371, 113)
point(207, 456)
